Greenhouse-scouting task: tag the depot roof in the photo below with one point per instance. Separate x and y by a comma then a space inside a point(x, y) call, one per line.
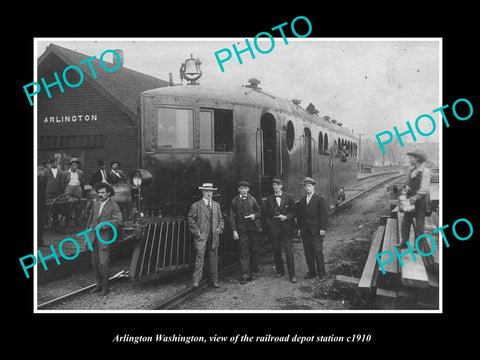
point(122, 85)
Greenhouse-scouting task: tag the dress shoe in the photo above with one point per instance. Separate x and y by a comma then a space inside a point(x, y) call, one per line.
point(279, 275)
point(252, 277)
point(321, 276)
point(215, 284)
point(243, 281)
point(96, 289)
point(293, 279)
point(308, 276)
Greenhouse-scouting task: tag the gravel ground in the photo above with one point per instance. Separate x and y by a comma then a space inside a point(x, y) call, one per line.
point(346, 248)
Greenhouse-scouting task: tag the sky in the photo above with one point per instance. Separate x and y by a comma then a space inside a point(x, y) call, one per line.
point(369, 85)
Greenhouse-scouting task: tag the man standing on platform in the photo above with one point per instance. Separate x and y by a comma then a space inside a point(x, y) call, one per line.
point(54, 180)
point(244, 215)
point(418, 193)
point(105, 210)
point(206, 223)
point(280, 220)
point(312, 219)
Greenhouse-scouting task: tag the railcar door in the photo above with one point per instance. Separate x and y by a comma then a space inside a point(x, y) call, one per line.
point(267, 153)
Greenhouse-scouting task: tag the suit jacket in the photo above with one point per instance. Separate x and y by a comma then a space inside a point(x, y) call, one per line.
point(200, 224)
point(111, 213)
point(115, 179)
point(66, 178)
point(97, 177)
point(237, 220)
point(54, 184)
point(314, 215)
point(287, 208)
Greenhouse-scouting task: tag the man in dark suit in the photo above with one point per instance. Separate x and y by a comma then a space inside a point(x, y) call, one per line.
point(312, 219)
point(244, 220)
point(54, 180)
point(205, 222)
point(105, 210)
point(280, 220)
point(100, 175)
point(116, 175)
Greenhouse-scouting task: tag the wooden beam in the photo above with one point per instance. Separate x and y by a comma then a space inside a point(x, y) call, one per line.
point(342, 280)
point(389, 280)
point(413, 272)
point(371, 265)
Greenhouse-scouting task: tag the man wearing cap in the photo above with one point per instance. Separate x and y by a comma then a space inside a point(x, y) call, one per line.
point(312, 219)
point(115, 174)
point(101, 174)
point(105, 210)
point(280, 220)
point(73, 181)
point(206, 223)
point(418, 192)
point(244, 221)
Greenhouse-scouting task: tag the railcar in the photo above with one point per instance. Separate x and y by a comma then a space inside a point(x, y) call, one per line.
point(191, 134)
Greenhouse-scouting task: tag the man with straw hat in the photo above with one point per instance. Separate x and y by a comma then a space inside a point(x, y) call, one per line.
point(206, 223)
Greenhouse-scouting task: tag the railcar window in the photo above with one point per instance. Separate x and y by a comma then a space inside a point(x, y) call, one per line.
point(175, 128)
point(216, 130)
point(290, 136)
point(206, 130)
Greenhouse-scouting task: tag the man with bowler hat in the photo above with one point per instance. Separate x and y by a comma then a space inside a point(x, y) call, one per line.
point(206, 223)
point(418, 193)
point(105, 210)
point(312, 219)
point(280, 220)
point(244, 221)
point(101, 174)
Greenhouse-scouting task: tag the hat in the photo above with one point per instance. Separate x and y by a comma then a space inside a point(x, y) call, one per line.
point(277, 181)
point(419, 154)
point(99, 185)
point(308, 180)
point(243, 183)
point(114, 162)
point(207, 186)
point(74, 160)
point(52, 160)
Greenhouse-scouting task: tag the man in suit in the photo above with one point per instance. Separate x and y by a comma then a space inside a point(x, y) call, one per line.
point(206, 223)
point(244, 220)
point(105, 210)
point(312, 219)
point(100, 175)
point(54, 180)
point(280, 220)
point(42, 181)
point(116, 175)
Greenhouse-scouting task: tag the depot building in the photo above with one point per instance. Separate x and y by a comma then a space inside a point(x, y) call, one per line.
point(96, 120)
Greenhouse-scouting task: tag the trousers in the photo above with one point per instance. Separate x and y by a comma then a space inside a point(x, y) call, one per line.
point(419, 215)
point(313, 249)
point(100, 262)
point(212, 256)
point(249, 245)
point(282, 239)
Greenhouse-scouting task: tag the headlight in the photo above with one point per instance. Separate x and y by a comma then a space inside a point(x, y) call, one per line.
point(140, 178)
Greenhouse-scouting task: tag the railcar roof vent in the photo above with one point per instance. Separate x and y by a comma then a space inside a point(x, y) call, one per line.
point(311, 109)
point(296, 101)
point(253, 83)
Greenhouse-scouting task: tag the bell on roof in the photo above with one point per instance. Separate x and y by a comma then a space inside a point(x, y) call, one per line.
point(190, 70)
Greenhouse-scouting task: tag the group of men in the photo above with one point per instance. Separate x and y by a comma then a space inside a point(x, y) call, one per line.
point(281, 216)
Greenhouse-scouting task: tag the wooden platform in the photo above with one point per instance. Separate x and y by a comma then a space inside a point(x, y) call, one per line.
point(413, 286)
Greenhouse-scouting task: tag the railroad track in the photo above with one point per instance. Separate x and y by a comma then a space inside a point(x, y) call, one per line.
point(364, 186)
